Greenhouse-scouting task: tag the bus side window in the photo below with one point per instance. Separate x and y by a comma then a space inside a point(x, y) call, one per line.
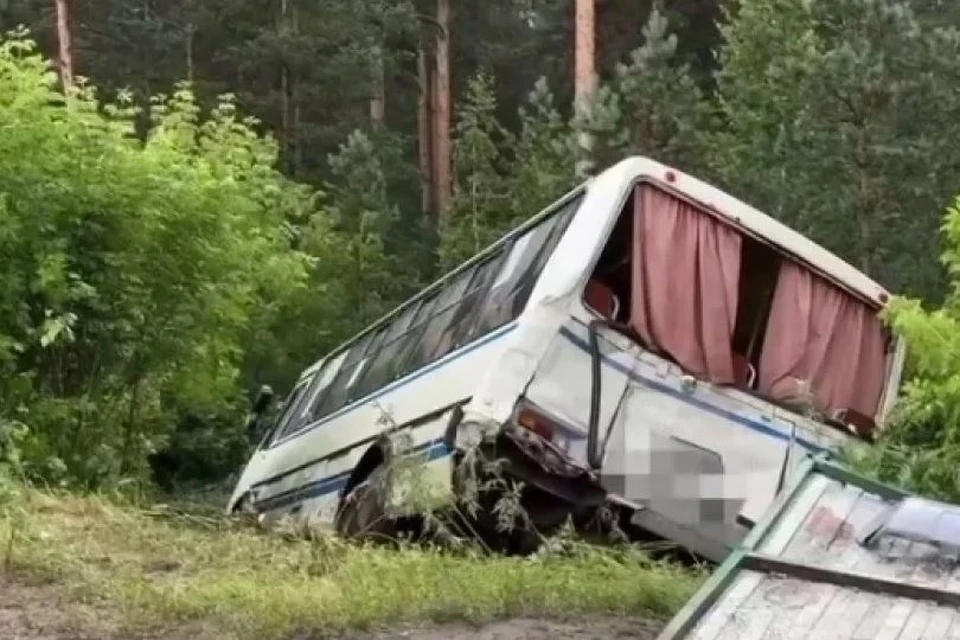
point(324, 378)
point(526, 259)
point(405, 345)
point(422, 352)
point(337, 395)
point(447, 329)
point(463, 325)
point(381, 365)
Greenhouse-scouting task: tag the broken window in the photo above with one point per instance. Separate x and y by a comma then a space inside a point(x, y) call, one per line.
point(527, 256)
point(291, 405)
point(729, 308)
point(824, 338)
point(759, 266)
point(608, 290)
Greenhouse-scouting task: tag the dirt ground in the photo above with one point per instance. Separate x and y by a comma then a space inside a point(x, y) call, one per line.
point(529, 629)
point(32, 612)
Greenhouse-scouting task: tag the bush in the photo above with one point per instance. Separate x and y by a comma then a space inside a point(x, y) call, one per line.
point(135, 269)
point(921, 449)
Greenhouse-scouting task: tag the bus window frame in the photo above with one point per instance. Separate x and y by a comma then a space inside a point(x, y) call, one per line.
point(560, 207)
point(291, 409)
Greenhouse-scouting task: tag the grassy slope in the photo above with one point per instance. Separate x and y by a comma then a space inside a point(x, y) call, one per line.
point(149, 570)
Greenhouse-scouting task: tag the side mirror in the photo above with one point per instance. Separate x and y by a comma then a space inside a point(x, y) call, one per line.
point(264, 398)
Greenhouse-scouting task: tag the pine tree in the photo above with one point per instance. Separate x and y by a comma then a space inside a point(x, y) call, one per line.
point(840, 117)
point(441, 126)
point(652, 106)
point(382, 238)
point(66, 50)
point(543, 158)
point(481, 211)
point(585, 79)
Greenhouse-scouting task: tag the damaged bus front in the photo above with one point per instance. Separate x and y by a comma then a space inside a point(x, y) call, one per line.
point(648, 344)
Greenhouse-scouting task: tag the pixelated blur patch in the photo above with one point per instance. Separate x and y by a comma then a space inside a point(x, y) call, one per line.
point(675, 477)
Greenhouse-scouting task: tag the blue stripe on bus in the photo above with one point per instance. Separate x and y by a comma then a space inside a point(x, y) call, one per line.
point(337, 481)
point(396, 384)
point(683, 397)
point(434, 449)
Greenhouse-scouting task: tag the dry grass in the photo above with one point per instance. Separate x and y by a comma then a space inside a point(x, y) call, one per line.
point(150, 569)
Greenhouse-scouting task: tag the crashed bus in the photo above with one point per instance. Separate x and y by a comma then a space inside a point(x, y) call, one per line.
point(648, 345)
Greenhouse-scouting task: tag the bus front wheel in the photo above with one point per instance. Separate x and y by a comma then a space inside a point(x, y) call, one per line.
point(362, 511)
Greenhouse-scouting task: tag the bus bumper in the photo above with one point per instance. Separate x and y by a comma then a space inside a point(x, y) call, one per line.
point(510, 460)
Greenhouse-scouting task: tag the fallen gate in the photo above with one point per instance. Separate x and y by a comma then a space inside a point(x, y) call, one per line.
point(837, 556)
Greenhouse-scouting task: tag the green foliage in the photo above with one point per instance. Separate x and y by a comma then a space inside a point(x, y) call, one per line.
point(500, 179)
point(838, 120)
point(652, 106)
point(481, 211)
point(367, 256)
point(921, 450)
point(204, 449)
point(133, 271)
point(370, 189)
point(353, 252)
point(543, 156)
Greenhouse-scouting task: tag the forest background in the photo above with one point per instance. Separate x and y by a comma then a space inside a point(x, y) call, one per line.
point(199, 197)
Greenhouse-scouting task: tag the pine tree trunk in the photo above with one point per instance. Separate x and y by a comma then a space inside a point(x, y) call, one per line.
point(443, 153)
point(290, 116)
point(297, 155)
point(378, 99)
point(434, 138)
point(425, 129)
point(188, 29)
point(585, 75)
point(189, 52)
point(284, 93)
point(66, 53)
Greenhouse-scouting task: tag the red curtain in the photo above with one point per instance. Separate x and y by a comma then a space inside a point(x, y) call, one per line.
point(819, 334)
point(686, 270)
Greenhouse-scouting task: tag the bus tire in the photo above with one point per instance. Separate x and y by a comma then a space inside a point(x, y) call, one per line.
point(361, 514)
point(244, 510)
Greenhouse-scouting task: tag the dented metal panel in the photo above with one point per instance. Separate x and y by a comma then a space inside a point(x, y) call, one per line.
point(837, 556)
point(694, 460)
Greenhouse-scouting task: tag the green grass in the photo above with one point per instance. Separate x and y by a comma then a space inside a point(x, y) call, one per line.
point(155, 571)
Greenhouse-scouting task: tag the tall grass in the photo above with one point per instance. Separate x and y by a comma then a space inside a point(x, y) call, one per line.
point(150, 568)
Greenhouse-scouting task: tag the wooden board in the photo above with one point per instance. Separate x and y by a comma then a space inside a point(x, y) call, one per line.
point(819, 581)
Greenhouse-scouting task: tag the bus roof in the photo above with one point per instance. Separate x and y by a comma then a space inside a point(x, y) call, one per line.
point(758, 224)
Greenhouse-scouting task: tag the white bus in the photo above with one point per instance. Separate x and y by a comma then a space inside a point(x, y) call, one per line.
point(647, 342)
